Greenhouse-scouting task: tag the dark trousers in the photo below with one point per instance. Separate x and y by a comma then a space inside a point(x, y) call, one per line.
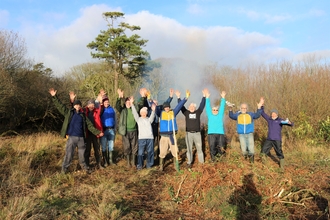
point(216, 143)
point(71, 145)
point(130, 143)
point(277, 145)
point(92, 140)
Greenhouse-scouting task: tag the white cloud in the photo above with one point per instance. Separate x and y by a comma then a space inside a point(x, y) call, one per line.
point(225, 45)
point(4, 18)
point(254, 15)
point(317, 12)
point(195, 9)
point(251, 14)
point(315, 56)
point(276, 18)
point(65, 47)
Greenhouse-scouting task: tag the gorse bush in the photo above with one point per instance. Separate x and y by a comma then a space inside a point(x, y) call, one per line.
point(324, 129)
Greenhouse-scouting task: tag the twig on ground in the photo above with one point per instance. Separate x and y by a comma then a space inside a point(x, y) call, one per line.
point(294, 203)
point(177, 193)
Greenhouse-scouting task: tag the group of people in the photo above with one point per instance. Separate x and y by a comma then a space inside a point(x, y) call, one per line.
point(144, 123)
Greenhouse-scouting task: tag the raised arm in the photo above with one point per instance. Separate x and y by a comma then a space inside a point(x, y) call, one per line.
point(259, 110)
point(177, 93)
point(152, 116)
point(222, 103)
point(180, 104)
point(58, 104)
point(120, 105)
point(202, 104)
point(134, 112)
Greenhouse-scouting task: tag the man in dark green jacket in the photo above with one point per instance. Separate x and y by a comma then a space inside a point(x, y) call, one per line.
point(74, 125)
point(127, 128)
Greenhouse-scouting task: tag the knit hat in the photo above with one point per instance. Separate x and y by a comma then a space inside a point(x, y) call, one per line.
point(166, 104)
point(105, 98)
point(144, 109)
point(274, 110)
point(91, 101)
point(77, 102)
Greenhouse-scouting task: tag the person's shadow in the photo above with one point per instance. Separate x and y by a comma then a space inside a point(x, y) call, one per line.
point(247, 199)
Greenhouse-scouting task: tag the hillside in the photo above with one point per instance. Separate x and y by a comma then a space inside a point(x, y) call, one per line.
point(32, 186)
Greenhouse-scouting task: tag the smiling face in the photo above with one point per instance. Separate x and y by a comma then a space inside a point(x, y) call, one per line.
point(215, 110)
point(106, 103)
point(192, 107)
point(244, 108)
point(91, 107)
point(77, 107)
point(274, 115)
point(128, 104)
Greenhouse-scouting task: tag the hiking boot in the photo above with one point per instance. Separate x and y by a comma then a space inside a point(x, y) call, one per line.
point(282, 164)
point(128, 159)
point(104, 158)
point(110, 158)
point(176, 164)
point(161, 164)
point(99, 166)
point(251, 158)
point(64, 171)
point(133, 160)
point(213, 159)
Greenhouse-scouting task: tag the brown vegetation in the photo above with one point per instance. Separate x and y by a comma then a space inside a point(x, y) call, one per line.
point(32, 186)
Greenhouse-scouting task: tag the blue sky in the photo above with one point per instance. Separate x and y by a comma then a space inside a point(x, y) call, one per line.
point(225, 32)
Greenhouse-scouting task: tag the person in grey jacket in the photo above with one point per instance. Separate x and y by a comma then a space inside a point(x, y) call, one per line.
point(146, 138)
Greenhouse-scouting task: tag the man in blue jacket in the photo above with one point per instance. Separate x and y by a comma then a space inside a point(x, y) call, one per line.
point(167, 118)
point(245, 128)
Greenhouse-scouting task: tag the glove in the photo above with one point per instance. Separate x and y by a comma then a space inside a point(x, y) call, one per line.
point(230, 104)
point(187, 93)
point(148, 94)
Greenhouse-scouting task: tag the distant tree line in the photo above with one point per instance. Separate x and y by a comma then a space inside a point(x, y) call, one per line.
point(299, 90)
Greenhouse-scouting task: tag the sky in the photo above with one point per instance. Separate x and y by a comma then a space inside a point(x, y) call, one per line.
point(233, 33)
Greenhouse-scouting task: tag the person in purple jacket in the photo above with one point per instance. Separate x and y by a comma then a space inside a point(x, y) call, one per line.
point(274, 136)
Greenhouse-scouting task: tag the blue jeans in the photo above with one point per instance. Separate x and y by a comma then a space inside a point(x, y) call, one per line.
point(107, 140)
point(146, 145)
point(247, 144)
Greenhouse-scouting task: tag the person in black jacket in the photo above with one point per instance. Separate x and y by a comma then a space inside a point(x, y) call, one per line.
point(193, 129)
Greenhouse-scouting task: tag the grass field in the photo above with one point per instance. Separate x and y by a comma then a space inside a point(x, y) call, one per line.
point(32, 186)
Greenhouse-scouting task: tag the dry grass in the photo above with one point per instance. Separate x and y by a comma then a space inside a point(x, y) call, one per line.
point(32, 187)
point(229, 189)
